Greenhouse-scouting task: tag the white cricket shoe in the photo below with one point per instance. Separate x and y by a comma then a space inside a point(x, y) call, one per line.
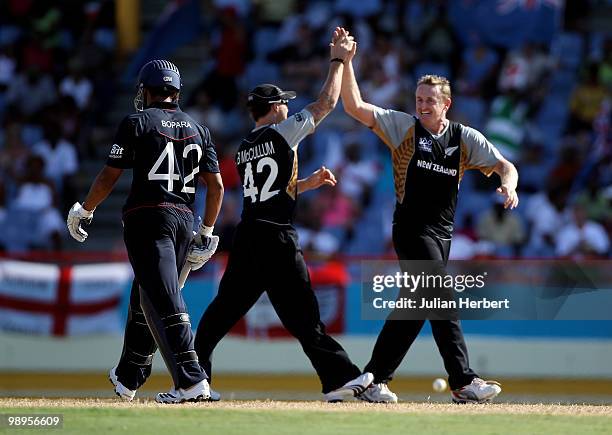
point(120, 389)
point(378, 393)
point(215, 396)
point(479, 391)
point(351, 389)
point(196, 393)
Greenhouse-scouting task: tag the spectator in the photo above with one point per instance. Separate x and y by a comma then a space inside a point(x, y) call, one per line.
point(594, 202)
point(13, 152)
point(36, 195)
point(59, 156)
point(227, 221)
point(586, 101)
point(358, 175)
point(31, 91)
point(438, 41)
point(418, 16)
point(503, 228)
point(8, 67)
point(204, 111)
point(524, 69)
point(384, 84)
point(545, 215)
point(230, 55)
point(567, 168)
point(582, 238)
point(506, 125)
point(478, 67)
point(227, 166)
point(77, 85)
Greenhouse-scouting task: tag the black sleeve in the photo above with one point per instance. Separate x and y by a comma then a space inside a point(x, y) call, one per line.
point(209, 162)
point(121, 154)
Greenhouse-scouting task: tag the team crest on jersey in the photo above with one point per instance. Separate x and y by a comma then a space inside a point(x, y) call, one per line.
point(298, 117)
point(425, 144)
point(449, 151)
point(116, 152)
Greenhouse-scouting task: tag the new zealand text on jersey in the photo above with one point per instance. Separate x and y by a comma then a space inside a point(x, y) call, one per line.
point(259, 150)
point(436, 168)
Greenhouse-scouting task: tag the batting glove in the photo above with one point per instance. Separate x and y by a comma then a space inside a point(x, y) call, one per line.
point(76, 216)
point(202, 247)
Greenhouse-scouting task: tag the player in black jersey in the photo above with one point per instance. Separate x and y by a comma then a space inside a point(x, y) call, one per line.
point(430, 154)
point(265, 254)
point(168, 152)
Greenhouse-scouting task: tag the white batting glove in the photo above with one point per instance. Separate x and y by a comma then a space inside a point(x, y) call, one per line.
point(76, 216)
point(202, 247)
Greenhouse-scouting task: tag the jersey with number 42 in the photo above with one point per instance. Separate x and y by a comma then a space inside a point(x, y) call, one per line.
point(267, 162)
point(167, 150)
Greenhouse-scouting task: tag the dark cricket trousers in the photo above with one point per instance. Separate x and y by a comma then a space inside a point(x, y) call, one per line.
point(397, 336)
point(267, 257)
point(157, 241)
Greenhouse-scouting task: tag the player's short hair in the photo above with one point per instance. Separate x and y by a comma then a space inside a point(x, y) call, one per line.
point(434, 80)
point(259, 110)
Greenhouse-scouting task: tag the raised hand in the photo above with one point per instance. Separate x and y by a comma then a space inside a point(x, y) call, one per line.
point(342, 44)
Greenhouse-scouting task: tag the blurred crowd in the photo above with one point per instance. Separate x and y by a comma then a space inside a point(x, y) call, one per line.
point(55, 64)
point(547, 107)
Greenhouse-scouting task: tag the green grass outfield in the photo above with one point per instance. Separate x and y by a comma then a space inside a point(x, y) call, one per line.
point(104, 416)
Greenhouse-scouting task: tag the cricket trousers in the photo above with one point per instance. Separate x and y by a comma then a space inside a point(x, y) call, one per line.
point(267, 257)
point(397, 336)
point(157, 241)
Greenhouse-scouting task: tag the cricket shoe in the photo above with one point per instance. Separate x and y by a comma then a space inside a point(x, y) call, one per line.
point(478, 391)
point(215, 396)
point(199, 392)
point(351, 389)
point(378, 393)
point(120, 389)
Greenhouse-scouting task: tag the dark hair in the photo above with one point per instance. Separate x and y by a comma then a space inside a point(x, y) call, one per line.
point(259, 110)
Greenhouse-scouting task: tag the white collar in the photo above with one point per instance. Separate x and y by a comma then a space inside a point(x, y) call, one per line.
point(260, 127)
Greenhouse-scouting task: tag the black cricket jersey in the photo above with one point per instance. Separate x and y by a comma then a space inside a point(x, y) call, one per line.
point(267, 162)
point(167, 150)
point(428, 168)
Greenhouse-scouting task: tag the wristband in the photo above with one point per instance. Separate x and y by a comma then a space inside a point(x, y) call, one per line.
point(206, 231)
point(87, 212)
point(337, 59)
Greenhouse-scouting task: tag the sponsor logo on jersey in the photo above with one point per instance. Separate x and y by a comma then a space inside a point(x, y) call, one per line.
point(298, 117)
point(449, 151)
point(431, 166)
point(253, 153)
point(175, 124)
point(116, 152)
point(425, 144)
point(167, 78)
